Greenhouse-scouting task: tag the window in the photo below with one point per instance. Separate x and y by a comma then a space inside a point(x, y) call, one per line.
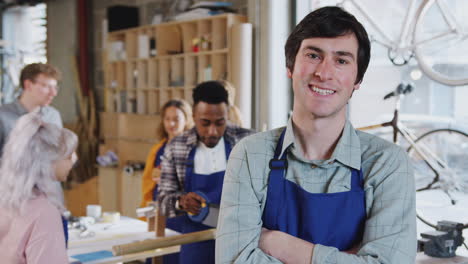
point(24, 35)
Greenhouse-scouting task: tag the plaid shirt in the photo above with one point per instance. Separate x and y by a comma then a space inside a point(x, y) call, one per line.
point(173, 165)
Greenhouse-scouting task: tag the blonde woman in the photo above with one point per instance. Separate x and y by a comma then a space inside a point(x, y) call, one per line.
point(176, 118)
point(35, 157)
point(234, 113)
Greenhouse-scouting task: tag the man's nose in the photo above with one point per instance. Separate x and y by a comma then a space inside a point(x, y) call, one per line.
point(53, 91)
point(212, 131)
point(324, 70)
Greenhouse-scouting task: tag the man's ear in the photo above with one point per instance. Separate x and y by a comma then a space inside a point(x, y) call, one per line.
point(193, 111)
point(357, 86)
point(27, 85)
point(289, 73)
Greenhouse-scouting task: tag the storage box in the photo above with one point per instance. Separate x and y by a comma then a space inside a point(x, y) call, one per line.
point(129, 126)
point(122, 17)
point(138, 127)
point(109, 188)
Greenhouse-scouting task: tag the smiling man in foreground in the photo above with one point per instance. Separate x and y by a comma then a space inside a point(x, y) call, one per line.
point(317, 190)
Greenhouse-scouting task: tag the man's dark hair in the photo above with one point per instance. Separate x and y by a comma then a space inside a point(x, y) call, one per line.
point(329, 22)
point(211, 92)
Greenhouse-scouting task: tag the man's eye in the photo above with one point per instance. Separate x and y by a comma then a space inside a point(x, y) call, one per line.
point(342, 61)
point(312, 56)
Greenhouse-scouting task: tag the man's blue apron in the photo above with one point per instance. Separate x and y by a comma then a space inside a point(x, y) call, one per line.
point(329, 219)
point(211, 185)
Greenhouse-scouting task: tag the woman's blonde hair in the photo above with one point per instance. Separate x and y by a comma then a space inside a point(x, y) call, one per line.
point(183, 106)
point(27, 165)
point(234, 112)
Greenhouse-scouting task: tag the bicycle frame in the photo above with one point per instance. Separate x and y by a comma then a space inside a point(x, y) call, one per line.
point(404, 44)
point(431, 159)
point(409, 42)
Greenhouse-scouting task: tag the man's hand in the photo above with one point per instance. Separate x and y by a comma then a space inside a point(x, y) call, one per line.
point(191, 202)
point(286, 248)
point(353, 250)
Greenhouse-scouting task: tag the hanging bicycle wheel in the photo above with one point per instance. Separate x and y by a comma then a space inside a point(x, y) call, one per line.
point(441, 182)
point(440, 40)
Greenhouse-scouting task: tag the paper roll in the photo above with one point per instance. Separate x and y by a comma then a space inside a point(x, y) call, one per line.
point(241, 69)
point(111, 217)
point(93, 210)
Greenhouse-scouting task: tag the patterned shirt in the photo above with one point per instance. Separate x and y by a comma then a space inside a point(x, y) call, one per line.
point(390, 227)
point(173, 166)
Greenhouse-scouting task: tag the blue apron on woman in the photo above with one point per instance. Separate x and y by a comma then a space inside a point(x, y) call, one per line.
point(330, 219)
point(211, 186)
point(157, 164)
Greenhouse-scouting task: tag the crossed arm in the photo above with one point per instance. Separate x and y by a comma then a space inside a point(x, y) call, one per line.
point(389, 229)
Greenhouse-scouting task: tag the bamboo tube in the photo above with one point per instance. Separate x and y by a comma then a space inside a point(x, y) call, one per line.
point(149, 244)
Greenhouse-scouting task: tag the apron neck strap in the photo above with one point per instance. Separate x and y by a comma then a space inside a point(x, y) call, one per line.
point(277, 163)
point(279, 145)
point(357, 180)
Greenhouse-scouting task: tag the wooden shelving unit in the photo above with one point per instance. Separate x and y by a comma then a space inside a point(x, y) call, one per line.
point(148, 65)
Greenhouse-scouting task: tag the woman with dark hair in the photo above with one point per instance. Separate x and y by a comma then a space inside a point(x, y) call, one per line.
point(37, 155)
point(176, 117)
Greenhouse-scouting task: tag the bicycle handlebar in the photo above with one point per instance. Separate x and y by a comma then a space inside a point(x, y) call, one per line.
point(402, 88)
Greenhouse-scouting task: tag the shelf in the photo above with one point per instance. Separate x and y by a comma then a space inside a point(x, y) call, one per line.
point(151, 64)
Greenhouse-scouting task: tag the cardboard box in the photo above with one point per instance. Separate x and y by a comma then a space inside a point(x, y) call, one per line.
point(131, 194)
point(109, 123)
point(129, 150)
point(129, 126)
point(138, 127)
point(109, 188)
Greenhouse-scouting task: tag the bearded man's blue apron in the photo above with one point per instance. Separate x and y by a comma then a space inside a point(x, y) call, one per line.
point(211, 186)
point(330, 219)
